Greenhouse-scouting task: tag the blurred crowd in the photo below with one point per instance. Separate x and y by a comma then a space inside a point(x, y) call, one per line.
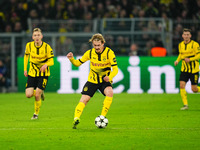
point(14, 16)
point(14, 13)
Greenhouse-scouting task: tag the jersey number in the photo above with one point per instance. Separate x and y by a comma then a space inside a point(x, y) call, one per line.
point(44, 83)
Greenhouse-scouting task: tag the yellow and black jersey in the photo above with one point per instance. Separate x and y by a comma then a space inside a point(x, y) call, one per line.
point(38, 56)
point(100, 64)
point(190, 50)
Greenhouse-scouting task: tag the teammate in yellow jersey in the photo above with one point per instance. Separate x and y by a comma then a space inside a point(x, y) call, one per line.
point(189, 53)
point(40, 56)
point(102, 59)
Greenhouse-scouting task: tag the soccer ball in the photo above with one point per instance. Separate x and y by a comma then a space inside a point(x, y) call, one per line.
point(101, 121)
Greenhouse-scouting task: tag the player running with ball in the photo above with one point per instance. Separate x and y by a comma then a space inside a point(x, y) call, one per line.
point(102, 59)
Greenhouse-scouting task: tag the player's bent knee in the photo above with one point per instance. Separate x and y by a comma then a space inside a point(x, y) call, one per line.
point(109, 93)
point(195, 90)
point(182, 86)
point(29, 95)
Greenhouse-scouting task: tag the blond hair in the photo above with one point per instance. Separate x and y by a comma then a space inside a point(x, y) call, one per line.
point(37, 29)
point(187, 30)
point(97, 37)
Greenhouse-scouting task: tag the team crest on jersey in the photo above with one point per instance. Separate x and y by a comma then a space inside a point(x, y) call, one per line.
point(104, 58)
point(85, 88)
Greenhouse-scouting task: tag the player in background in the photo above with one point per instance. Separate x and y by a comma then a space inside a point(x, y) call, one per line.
point(189, 53)
point(102, 59)
point(40, 56)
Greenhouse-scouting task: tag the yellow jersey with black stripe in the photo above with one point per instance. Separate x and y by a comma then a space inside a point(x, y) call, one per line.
point(100, 64)
point(190, 50)
point(38, 56)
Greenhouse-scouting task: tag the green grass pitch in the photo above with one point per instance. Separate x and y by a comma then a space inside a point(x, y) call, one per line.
point(136, 122)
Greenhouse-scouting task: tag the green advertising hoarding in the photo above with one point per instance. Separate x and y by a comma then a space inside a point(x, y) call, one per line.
point(136, 75)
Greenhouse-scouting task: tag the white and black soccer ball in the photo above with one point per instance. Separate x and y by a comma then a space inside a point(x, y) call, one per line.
point(101, 121)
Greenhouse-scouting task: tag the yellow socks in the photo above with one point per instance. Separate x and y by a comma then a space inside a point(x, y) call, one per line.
point(198, 87)
point(37, 107)
point(34, 93)
point(106, 105)
point(184, 96)
point(79, 109)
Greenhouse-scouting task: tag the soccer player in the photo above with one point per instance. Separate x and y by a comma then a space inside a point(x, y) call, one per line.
point(40, 56)
point(102, 59)
point(189, 53)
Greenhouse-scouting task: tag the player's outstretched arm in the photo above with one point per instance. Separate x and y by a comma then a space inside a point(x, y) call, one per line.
point(70, 55)
point(75, 62)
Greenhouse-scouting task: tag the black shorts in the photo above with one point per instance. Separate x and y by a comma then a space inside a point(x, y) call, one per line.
point(37, 82)
point(194, 77)
point(90, 88)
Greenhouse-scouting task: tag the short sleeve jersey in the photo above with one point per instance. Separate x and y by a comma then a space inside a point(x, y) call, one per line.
point(187, 51)
point(100, 64)
point(38, 57)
